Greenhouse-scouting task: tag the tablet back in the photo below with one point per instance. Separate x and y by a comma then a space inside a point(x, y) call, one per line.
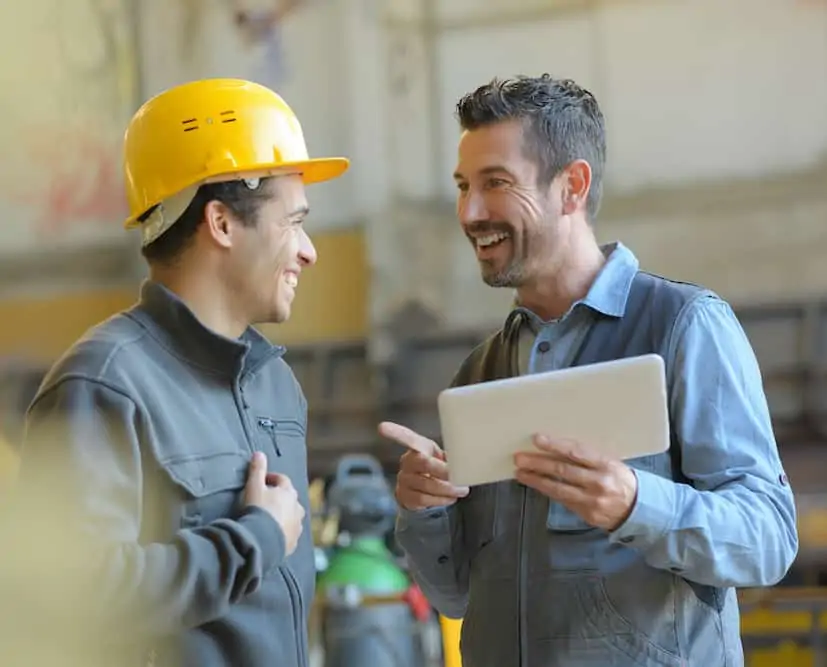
point(619, 408)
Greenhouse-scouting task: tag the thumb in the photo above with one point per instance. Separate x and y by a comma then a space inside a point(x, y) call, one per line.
point(257, 474)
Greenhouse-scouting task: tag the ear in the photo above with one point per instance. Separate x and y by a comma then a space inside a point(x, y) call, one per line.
point(219, 223)
point(576, 184)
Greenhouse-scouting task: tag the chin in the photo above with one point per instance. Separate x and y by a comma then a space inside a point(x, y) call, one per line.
point(509, 278)
point(282, 313)
point(280, 316)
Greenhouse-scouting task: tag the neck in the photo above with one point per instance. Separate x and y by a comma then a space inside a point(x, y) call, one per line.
point(206, 299)
point(553, 292)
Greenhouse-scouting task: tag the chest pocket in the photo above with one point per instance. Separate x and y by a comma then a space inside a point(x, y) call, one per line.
point(211, 485)
point(562, 520)
point(280, 436)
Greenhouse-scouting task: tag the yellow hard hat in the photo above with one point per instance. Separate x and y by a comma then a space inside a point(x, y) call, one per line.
point(213, 130)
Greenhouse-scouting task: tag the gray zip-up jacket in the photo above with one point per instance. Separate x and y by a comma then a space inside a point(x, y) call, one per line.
point(133, 469)
point(539, 587)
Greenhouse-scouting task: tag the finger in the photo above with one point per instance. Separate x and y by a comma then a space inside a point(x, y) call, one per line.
point(410, 439)
point(420, 501)
point(280, 480)
point(568, 450)
point(425, 465)
point(562, 471)
point(274, 479)
point(257, 473)
point(560, 491)
point(431, 487)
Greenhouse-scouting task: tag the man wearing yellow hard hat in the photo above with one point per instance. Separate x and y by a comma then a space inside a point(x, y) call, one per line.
point(165, 458)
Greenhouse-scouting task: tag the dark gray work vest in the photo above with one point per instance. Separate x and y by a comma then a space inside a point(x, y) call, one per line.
point(554, 590)
point(652, 307)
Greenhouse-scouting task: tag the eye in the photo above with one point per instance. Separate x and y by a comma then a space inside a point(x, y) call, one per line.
point(462, 187)
point(492, 183)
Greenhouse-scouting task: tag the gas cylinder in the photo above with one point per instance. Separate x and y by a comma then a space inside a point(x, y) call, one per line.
point(367, 618)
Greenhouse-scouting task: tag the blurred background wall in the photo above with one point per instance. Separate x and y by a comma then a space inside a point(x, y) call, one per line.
point(717, 173)
point(715, 111)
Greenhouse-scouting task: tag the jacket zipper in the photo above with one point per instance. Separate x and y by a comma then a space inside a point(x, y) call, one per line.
point(298, 613)
point(521, 583)
point(270, 426)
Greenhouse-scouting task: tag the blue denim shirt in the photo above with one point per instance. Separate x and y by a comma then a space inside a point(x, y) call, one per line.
point(732, 525)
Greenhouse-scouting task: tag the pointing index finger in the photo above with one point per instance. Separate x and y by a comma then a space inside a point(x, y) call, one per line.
point(410, 439)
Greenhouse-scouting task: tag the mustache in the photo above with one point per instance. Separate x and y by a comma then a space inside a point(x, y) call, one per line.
point(482, 227)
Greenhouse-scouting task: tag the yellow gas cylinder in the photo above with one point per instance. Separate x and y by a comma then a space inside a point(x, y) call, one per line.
point(450, 641)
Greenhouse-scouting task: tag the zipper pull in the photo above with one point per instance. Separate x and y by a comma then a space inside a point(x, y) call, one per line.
point(270, 426)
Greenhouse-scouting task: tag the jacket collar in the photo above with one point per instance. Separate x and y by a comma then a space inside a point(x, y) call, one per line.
point(170, 321)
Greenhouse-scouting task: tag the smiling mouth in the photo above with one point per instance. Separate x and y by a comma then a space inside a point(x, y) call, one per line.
point(491, 240)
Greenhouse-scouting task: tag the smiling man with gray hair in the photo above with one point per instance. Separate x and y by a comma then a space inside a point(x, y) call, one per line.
point(584, 560)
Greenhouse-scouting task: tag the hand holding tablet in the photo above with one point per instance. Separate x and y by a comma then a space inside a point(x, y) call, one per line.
point(618, 409)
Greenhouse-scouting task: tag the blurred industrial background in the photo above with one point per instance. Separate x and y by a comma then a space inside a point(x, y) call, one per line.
point(717, 120)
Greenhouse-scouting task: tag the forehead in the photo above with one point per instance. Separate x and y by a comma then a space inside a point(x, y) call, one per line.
point(289, 191)
point(492, 146)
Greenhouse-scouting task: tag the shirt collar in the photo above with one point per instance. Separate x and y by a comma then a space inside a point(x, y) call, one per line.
point(609, 291)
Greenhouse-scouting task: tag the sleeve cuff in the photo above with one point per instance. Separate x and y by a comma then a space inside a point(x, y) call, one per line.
point(267, 533)
point(653, 513)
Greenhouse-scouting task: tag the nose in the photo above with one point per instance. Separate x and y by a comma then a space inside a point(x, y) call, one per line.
point(471, 207)
point(307, 251)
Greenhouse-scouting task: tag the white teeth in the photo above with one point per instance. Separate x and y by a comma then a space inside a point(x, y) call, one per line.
point(291, 279)
point(491, 239)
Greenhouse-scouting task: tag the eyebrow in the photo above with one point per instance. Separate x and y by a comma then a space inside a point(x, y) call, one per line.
point(486, 171)
point(302, 211)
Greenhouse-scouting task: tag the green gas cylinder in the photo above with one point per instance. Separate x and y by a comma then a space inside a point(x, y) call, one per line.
point(367, 564)
point(366, 620)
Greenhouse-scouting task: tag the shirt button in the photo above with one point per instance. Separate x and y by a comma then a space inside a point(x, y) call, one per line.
point(782, 479)
point(543, 347)
point(626, 540)
point(442, 560)
point(435, 515)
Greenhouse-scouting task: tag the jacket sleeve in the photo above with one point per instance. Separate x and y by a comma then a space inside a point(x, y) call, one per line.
point(432, 539)
point(432, 542)
point(78, 527)
point(735, 524)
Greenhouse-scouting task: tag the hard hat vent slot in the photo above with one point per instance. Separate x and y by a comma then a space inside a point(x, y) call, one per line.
point(188, 124)
point(228, 116)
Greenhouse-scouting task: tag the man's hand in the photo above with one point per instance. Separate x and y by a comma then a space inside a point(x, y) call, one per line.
point(422, 482)
point(275, 494)
point(600, 491)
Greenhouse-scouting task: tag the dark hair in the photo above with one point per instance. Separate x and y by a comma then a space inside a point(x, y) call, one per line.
point(243, 202)
point(562, 122)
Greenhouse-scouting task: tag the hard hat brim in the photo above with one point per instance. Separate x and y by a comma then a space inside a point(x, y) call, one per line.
point(316, 170)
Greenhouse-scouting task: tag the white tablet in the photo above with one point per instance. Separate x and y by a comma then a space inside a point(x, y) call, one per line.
point(619, 408)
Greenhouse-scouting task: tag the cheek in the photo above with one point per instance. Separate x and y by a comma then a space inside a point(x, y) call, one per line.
point(284, 249)
point(530, 208)
point(515, 207)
